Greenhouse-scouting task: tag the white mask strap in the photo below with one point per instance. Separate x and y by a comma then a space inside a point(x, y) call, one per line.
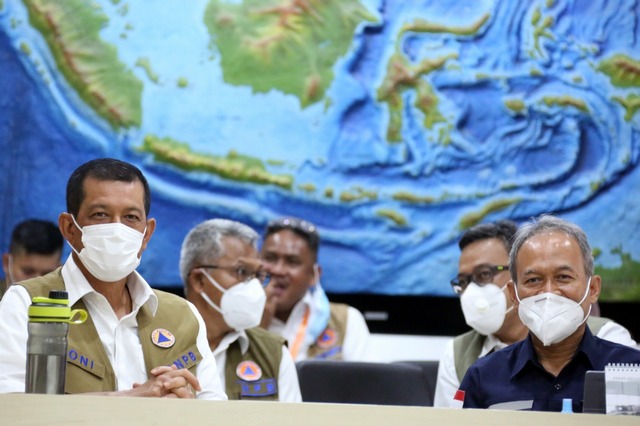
point(586, 293)
point(216, 285)
point(515, 286)
point(212, 281)
point(209, 301)
point(76, 223)
point(316, 274)
point(510, 308)
point(69, 242)
point(583, 299)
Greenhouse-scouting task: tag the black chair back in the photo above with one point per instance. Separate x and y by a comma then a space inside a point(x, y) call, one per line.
point(429, 373)
point(363, 383)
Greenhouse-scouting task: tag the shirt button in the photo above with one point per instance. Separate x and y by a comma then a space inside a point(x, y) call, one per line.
point(558, 386)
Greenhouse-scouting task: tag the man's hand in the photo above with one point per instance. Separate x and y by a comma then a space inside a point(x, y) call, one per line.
point(168, 382)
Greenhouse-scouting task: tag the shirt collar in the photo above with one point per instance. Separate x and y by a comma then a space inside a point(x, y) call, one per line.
point(588, 346)
point(528, 354)
point(491, 344)
point(525, 355)
point(229, 338)
point(78, 287)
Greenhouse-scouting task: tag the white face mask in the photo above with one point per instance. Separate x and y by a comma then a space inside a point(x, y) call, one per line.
point(242, 305)
point(551, 317)
point(484, 307)
point(319, 317)
point(110, 250)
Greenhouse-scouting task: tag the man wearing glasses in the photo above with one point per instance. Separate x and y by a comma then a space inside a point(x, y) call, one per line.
point(298, 308)
point(224, 279)
point(483, 273)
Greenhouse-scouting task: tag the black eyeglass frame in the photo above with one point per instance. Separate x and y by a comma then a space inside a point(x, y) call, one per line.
point(460, 283)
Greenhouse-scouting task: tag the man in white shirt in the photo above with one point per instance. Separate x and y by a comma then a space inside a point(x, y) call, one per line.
point(483, 273)
point(132, 344)
point(34, 250)
point(297, 307)
point(223, 278)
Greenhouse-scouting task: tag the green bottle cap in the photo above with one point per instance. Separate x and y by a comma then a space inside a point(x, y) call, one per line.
point(55, 308)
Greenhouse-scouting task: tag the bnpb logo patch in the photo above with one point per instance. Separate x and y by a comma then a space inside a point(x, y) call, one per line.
point(328, 338)
point(249, 371)
point(162, 338)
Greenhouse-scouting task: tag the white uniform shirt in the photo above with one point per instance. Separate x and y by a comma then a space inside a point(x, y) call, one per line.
point(448, 383)
point(356, 340)
point(119, 337)
point(288, 387)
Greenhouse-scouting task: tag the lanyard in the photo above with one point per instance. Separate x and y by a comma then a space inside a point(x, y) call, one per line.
point(302, 331)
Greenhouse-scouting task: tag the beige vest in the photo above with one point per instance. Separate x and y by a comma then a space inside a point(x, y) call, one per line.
point(88, 367)
point(254, 375)
point(329, 344)
point(467, 346)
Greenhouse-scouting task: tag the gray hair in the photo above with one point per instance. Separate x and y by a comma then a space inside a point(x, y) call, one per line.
point(203, 244)
point(549, 223)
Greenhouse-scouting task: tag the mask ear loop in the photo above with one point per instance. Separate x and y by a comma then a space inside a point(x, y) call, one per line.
point(316, 278)
point(515, 286)
point(216, 285)
point(583, 299)
point(510, 308)
point(80, 229)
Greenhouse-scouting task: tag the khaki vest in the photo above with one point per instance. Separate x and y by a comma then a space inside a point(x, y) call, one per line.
point(264, 354)
point(88, 367)
point(329, 344)
point(467, 346)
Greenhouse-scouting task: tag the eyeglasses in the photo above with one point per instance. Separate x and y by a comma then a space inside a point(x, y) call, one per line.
point(242, 272)
point(481, 275)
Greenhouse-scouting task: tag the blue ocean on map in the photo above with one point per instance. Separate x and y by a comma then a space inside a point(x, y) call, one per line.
point(528, 124)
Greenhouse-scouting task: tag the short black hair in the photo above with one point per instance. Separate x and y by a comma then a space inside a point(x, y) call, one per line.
point(35, 236)
point(103, 169)
point(305, 229)
point(504, 230)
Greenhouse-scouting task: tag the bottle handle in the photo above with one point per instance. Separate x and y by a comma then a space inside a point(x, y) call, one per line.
point(78, 316)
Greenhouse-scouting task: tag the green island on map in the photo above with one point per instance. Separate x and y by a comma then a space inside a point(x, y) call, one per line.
point(401, 75)
point(90, 65)
point(286, 45)
point(234, 166)
point(290, 46)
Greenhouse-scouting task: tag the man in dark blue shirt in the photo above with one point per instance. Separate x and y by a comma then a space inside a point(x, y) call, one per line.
point(553, 287)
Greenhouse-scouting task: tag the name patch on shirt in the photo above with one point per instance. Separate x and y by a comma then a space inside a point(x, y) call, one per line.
point(336, 350)
point(186, 360)
point(85, 362)
point(266, 387)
